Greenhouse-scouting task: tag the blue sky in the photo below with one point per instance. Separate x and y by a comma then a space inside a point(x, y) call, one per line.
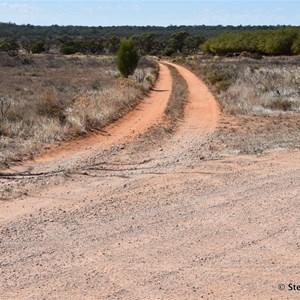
point(150, 12)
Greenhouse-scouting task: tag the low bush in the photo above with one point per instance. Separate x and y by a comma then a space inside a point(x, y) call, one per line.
point(52, 107)
point(68, 49)
point(38, 47)
point(217, 77)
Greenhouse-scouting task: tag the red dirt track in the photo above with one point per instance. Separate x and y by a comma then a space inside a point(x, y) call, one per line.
point(113, 217)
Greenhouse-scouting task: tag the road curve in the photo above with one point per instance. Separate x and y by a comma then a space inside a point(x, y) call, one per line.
point(124, 225)
point(202, 112)
point(148, 113)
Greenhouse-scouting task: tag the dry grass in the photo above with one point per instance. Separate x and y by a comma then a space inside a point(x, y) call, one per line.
point(156, 136)
point(252, 87)
point(260, 101)
point(46, 99)
point(178, 99)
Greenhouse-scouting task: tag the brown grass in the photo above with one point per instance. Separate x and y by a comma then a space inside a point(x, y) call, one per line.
point(156, 136)
point(48, 98)
point(245, 86)
point(178, 99)
point(259, 100)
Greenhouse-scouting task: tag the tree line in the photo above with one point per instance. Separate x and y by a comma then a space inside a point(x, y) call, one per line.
point(146, 43)
point(283, 41)
point(272, 40)
point(32, 32)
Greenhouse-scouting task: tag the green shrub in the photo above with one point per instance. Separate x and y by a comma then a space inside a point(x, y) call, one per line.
point(128, 57)
point(169, 51)
point(68, 49)
point(37, 47)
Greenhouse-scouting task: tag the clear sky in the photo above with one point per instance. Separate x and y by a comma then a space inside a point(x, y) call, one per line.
point(150, 12)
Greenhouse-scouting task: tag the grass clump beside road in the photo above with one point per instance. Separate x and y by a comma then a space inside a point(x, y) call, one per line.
point(70, 97)
point(179, 97)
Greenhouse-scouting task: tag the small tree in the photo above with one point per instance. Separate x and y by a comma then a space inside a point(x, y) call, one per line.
point(128, 57)
point(37, 47)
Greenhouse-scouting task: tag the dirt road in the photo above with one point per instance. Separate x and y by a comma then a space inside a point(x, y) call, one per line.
point(131, 219)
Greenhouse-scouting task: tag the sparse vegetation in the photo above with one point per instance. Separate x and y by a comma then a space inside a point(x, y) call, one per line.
point(259, 99)
point(56, 105)
point(250, 87)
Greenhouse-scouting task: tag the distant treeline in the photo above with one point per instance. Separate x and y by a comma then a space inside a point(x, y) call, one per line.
point(42, 32)
point(283, 41)
point(148, 39)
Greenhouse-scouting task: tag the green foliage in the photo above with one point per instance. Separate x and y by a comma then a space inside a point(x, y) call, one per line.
point(280, 42)
point(169, 51)
point(31, 32)
point(232, 42)
point(182, 42)
point(296, 45)
point(69, 48)
point(9, 45)
point(269, 42)
point(155, 39)
point(112, 44)
point(177, 41)
point(26, 44)
point(81, 45)
point(128, 57)
point(91, 46)
point(37, 47)
point(147, 43)
point(192, 43)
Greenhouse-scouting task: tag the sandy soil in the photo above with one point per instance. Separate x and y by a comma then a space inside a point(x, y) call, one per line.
point(121, 218)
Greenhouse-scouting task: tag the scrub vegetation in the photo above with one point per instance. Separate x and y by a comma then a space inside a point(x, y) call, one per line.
point(260, 102)
point(48, 98)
